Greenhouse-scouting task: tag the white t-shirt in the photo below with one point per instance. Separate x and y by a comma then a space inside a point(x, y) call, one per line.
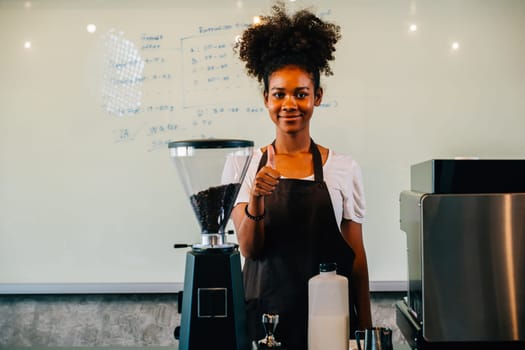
point(343, 178)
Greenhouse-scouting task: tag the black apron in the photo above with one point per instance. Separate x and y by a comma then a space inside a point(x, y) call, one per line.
point(300, 232)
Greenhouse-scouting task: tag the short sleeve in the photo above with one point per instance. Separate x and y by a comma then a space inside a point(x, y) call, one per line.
point(354, 205)
point(345, 183)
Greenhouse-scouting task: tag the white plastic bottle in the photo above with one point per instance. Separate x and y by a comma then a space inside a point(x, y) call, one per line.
point(328, 320)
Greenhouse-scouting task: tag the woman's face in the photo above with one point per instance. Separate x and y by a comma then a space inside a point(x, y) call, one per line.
point(291, 99)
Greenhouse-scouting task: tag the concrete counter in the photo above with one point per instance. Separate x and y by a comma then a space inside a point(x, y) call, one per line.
point(353, 346)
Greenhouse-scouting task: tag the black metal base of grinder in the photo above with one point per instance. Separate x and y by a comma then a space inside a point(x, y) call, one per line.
point(213, 308)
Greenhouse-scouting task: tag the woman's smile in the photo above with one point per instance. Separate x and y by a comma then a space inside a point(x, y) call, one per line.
point(290, 117)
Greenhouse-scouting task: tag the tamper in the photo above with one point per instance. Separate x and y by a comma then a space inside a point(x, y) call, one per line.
point(270, 322)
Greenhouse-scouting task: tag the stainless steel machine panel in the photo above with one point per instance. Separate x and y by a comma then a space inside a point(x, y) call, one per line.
point(410, 223)
point(473, 266)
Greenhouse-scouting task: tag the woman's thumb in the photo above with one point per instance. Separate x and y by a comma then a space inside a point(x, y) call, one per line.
point(271, 157)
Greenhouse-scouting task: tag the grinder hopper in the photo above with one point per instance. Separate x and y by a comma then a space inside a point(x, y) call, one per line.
point(211, 172)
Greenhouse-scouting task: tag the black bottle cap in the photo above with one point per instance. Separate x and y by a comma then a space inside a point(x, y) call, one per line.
point(327, 267)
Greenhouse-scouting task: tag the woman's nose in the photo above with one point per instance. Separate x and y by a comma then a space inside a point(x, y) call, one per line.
point(289, 103)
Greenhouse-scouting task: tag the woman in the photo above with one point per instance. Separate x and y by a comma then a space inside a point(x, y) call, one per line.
point(300, 204)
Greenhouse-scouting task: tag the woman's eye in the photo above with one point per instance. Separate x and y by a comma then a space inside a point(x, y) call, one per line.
point(278, 95)
point(301, 95)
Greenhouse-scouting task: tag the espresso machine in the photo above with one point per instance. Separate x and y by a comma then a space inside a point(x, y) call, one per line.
point(213, 312)
point(464, 221)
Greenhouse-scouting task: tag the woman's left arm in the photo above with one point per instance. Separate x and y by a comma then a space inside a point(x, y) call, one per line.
point(353, 234)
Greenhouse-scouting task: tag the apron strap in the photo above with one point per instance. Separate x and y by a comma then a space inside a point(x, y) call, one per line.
point(318, 162)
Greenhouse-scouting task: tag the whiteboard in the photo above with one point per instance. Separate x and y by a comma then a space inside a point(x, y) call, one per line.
point(89, 198)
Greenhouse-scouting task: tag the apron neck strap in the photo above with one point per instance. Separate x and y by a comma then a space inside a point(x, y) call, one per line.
point(316, 157)
point(318, 161)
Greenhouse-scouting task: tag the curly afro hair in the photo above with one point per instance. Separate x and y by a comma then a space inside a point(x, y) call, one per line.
point(278, 40)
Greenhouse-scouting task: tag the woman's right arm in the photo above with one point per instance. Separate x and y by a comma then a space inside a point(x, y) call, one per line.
point(250, 231)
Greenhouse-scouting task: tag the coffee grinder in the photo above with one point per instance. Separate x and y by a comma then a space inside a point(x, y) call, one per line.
point(213, 311)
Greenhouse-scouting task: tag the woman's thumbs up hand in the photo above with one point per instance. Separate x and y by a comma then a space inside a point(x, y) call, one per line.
point(268, 177)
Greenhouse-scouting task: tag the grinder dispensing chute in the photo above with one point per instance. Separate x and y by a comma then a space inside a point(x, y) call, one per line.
point(213, 311)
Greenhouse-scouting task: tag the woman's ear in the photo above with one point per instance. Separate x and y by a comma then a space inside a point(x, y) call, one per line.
point(265, 95)
point(318, 97)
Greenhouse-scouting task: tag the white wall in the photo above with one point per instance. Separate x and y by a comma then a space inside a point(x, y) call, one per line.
point(89, 199)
